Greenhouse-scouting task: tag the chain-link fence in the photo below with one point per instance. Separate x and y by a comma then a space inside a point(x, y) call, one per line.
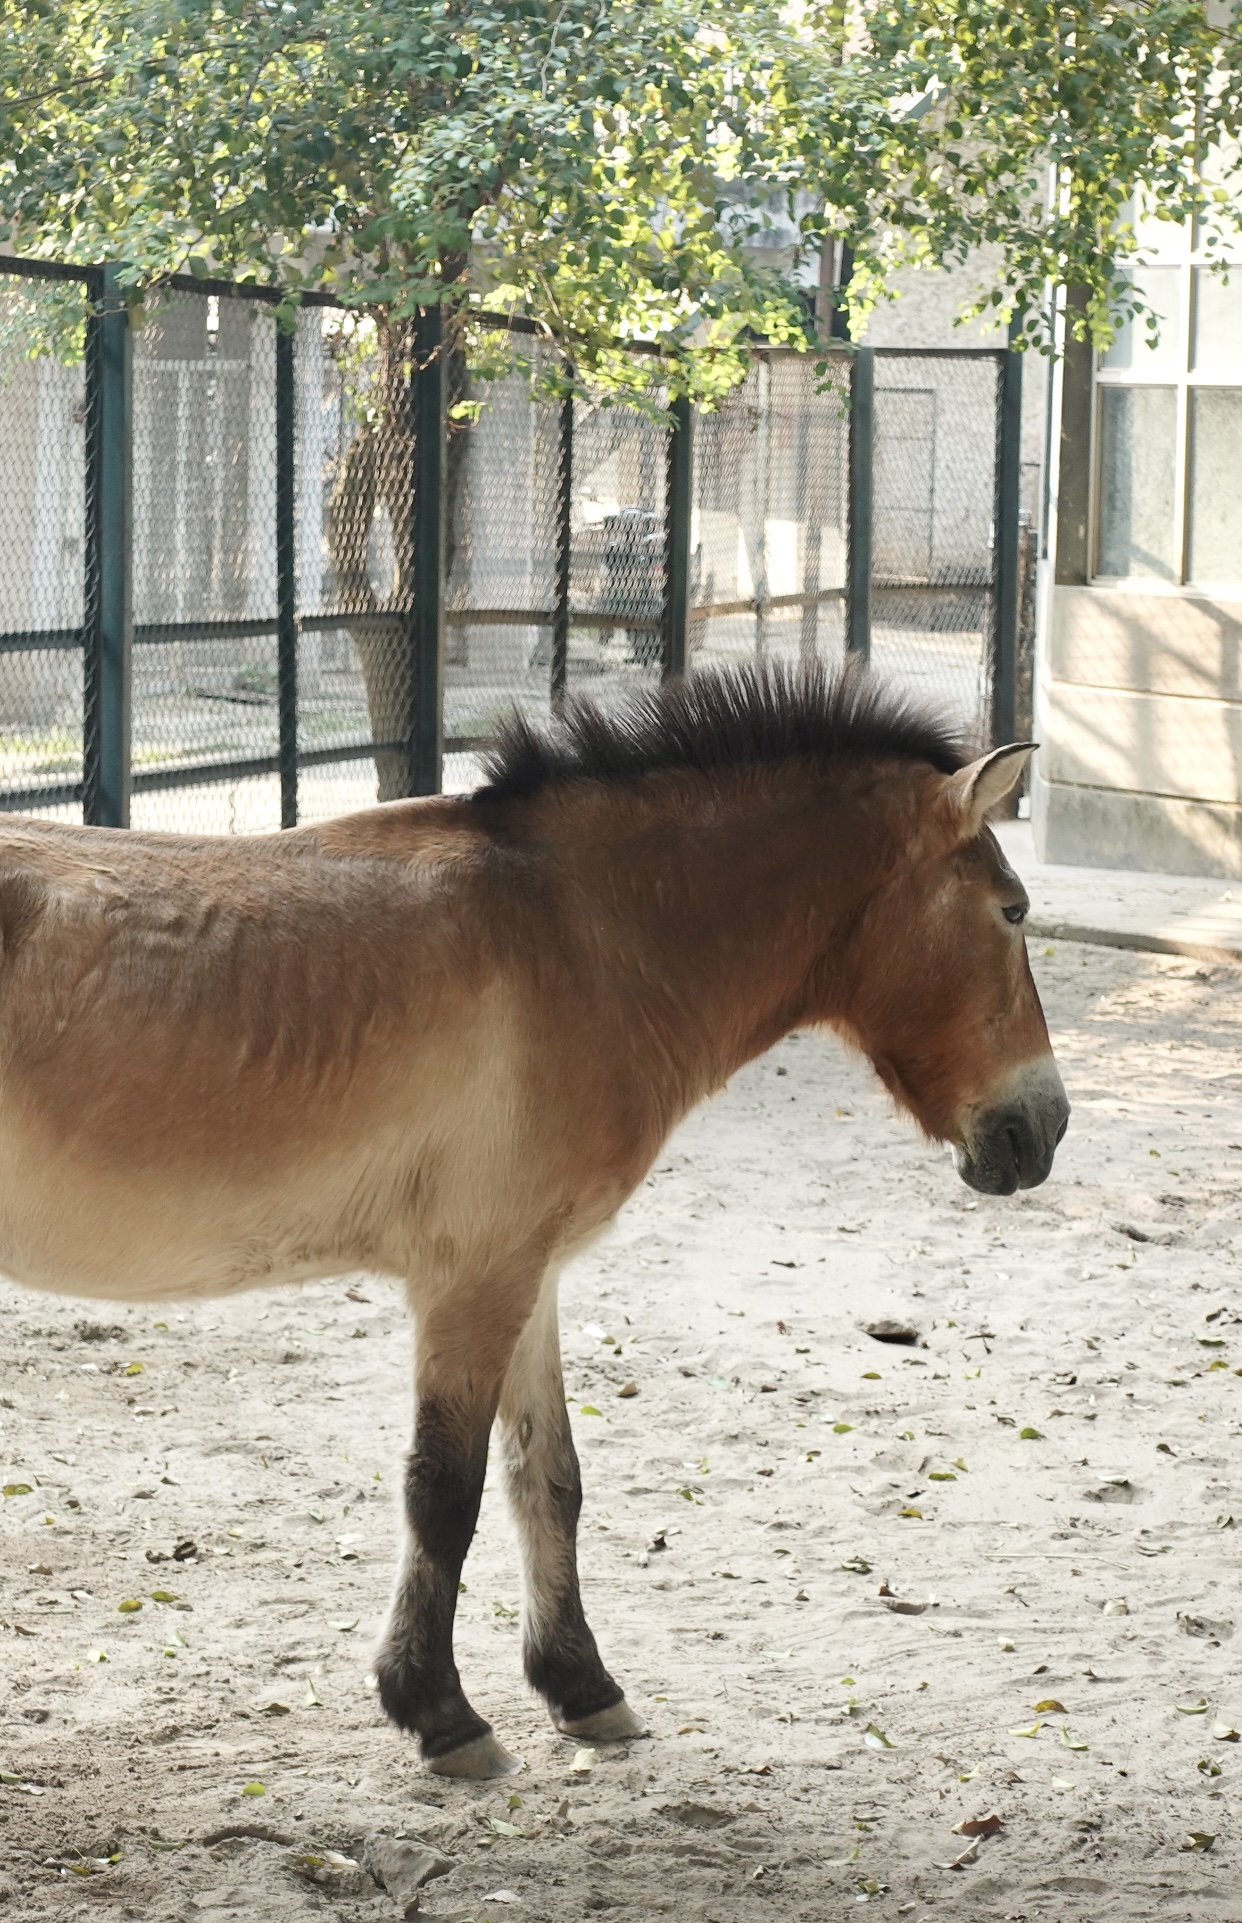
point(933, 602)
point(289, 634)
point(556, 554)
point(205, 735)
point(46, 557)
point(771, 516)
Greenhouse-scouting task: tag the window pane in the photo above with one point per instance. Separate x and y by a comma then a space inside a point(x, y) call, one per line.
point(1215, 490)
point(1165, 239)
point(1137, 429)
point(1158, 286)
point(1217, 324)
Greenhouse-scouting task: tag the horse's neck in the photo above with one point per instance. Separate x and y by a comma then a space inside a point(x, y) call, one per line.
point(715, 922)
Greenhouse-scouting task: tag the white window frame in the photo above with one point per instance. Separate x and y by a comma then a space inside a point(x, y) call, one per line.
point(1178, 247)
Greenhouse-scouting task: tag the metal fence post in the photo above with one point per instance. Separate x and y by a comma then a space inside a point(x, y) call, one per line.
point(763, 489)
point(108, 654)
point(1005, 549)
point(564, 529)
point(426, 721)
point(286, 580)
point(862, 452)
point(678, 509)
point(91, 554)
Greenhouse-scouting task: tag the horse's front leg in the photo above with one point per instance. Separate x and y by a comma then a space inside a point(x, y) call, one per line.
point(463, 1350)
point(545, 1490)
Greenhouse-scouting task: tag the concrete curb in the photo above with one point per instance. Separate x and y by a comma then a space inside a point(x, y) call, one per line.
point(1191, 915)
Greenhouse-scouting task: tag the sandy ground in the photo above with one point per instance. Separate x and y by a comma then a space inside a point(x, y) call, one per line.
point(1065, 1439)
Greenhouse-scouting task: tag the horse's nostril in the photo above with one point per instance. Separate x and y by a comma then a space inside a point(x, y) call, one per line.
point(1061, 1131)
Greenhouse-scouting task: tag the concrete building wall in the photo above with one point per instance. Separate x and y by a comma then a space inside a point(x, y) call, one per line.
point(1139, 710)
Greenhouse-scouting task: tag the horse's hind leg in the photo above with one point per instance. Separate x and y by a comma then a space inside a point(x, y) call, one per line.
point(545, 1490)
point(463, 1351)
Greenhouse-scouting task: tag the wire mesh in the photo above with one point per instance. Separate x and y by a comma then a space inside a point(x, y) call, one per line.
point(617, 551)
point(770, 511)
point(504, 468)
point(43, 510)
point(204, 567)
point(354, 498)
point(933, 557)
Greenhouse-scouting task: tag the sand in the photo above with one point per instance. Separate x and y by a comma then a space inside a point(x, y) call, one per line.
point(837, 1576)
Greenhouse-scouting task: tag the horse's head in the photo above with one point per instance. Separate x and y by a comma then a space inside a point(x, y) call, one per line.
point(942, 997)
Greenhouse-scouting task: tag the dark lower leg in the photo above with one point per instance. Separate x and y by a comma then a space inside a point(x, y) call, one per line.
point(418, 1681)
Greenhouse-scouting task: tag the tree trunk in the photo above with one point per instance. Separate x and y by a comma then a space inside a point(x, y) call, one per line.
point(378, 471)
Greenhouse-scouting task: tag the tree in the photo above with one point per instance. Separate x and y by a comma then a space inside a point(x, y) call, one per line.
point(604, 165)
point(1043, 122)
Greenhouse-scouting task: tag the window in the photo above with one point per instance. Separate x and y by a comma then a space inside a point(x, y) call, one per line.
point(1168, 426)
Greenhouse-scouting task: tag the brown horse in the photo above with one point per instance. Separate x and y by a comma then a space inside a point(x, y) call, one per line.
point(445, 1039)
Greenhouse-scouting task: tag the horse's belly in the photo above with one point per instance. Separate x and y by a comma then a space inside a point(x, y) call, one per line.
point(108, 1233)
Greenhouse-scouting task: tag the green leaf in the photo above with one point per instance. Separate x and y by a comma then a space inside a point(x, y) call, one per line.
point(1030, 1435)
point(254, 1789)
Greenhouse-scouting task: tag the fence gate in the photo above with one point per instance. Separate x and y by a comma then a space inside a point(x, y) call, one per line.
point(250, 577)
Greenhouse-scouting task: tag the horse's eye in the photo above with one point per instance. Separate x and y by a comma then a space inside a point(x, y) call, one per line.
point(1016, 912)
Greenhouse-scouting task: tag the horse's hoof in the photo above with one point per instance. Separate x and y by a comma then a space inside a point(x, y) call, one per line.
point(476, 1761)
point(607, 1725)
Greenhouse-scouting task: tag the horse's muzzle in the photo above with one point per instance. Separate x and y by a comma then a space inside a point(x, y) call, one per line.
point(1012, 1145)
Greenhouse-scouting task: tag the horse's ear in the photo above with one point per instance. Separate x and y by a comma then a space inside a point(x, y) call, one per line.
point(979, 786)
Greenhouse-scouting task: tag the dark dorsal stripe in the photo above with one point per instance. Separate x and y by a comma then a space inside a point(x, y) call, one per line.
point(722, 718)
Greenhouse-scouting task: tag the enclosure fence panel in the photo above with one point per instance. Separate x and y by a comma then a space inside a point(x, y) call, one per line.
point(768, 540)
point(505, 470)
point(205, 737)
point(933, 546)
point(48, 550)
point(345, 556)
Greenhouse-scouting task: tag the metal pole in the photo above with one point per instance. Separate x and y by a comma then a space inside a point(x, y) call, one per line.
point(810, 504)
point(862, 451)
point(426, 721)
point(763, 455)
point(109, 676)
point(564, 511)
point(286, 581)
point(1005, 550)
point(91, 555)
point(678, 507)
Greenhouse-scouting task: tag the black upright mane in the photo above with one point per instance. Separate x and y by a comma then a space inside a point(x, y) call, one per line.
point(722, 718)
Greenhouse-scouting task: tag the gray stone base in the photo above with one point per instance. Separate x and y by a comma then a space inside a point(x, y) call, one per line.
point(1153, 834)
